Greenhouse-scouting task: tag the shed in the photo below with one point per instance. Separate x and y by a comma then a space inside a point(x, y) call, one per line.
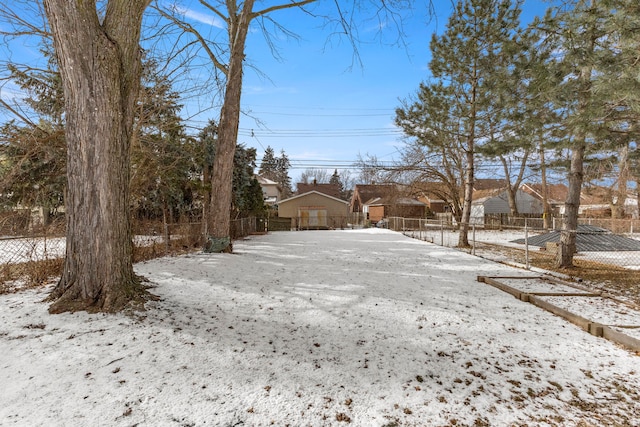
point(497, 203)
point(588, 239)
point(314, 210)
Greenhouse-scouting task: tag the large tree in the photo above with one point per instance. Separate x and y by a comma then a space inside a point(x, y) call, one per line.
point(434, 153)
point(471, 62)
point(580, 35)
point(99, 59)
point(227, 54)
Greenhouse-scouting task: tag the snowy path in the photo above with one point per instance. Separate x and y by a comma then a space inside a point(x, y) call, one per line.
point(359, 328)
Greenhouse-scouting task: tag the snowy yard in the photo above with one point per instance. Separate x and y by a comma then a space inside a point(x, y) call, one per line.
point(324, 328)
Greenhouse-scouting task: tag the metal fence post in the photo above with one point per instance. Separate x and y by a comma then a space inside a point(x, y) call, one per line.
point(473, 242)
point(441, 232)
point(526, 245)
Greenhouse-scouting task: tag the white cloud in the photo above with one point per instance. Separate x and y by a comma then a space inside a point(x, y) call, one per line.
point(204, 18)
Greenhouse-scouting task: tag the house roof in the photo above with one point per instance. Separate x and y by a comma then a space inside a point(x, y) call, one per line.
point(265, 181)
point(556, 193)
point(398, 201)
point(298, 196)
point(366, 192)
point(332, 190)
point(482, 195)
point(489, 184)
point(431, 190)
point(588, 239)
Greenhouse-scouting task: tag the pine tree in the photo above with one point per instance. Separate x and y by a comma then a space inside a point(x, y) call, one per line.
point(163, 157)
point(248, 198)
point(33, 169)
point(335, 180)
point(470, 62)
point(581, 34)
point(277, 169)
point(282, 168)
point(269, 165)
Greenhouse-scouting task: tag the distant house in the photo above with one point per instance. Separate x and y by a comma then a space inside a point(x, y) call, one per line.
point(377, 201)
point(271, 190)
point(314, 210)
point(363, 193)
point(556, 195)
point(435, 195)
point(404, 207)
point(495, 203)
point(482, 184)
point(595, 201)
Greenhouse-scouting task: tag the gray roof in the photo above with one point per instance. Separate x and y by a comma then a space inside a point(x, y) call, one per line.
point(588, 239)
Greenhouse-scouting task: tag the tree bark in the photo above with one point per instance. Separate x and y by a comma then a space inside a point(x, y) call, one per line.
point(463, 238)
point(100, 69)
point(567, 246)
point(219, 220)
point(546, 208)
point(618, 205)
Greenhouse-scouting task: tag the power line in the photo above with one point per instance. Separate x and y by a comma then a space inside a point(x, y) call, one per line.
point(271, 113)
point(319, 133)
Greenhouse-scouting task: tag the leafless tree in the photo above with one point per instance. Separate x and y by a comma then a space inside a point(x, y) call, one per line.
point(228, 58)
point(309, 175)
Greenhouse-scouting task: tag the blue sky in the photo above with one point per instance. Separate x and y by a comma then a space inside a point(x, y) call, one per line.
point(323, 110)
point(313, 101)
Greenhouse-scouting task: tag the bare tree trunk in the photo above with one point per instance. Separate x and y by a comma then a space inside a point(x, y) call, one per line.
point(567, 246)
point(219, 220)
point(463, 239)
point(546, 208)
point(100, 69)
point(617, 206)
point(511, 189)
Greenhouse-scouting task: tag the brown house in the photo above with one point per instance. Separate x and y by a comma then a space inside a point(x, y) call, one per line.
point(314, 210)
point(404, 207)
point(377, 201)
point(364, 193)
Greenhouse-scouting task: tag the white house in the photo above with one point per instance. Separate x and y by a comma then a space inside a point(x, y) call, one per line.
point(496, 202)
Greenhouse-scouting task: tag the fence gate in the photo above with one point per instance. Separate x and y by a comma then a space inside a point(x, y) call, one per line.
point(311, 217)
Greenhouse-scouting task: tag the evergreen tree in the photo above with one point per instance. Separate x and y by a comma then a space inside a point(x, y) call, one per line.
point(470, 62)
point(207, 145)
point(33, 169)
point(248, 198)
point(277, 169)
point(581, 34)
point(164, 167)
point(282, 168)
point(335, 180)
point(436, 154)
point(269, 165)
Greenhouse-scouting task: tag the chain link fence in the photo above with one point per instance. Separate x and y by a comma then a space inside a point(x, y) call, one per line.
point(608, 251)
point(32, 254)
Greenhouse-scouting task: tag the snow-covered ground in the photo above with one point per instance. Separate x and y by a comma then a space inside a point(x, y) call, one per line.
point(627, 259)
point(319, 328)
